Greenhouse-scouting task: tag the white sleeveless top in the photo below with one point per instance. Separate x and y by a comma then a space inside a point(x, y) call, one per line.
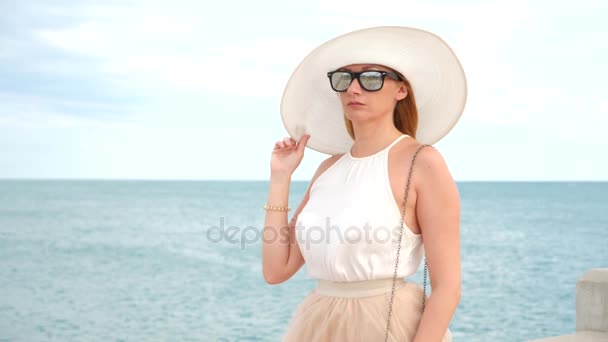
point(349, 228)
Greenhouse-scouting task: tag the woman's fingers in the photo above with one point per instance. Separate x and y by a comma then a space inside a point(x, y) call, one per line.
point(287, 142)
point(303, 141)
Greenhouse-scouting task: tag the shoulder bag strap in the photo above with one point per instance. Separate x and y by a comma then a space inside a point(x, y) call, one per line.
point(407, 189)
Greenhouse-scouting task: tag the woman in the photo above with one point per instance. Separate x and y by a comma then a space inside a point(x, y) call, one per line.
point(361, 111)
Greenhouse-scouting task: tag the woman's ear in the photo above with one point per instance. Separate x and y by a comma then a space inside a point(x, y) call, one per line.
point(401, 92)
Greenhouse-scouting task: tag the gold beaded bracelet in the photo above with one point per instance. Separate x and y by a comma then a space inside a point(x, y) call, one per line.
point(276, 208)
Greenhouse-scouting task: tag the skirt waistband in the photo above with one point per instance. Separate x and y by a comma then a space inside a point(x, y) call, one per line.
point(357, 289)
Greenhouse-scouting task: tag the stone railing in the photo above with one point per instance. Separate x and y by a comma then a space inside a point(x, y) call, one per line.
point(591, 309)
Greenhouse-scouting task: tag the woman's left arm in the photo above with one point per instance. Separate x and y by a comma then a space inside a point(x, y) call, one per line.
point(438, 213)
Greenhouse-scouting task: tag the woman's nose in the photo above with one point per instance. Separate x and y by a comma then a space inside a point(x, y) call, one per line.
point(354, 87)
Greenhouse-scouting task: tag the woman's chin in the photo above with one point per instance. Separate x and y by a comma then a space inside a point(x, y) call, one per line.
point(357, 114)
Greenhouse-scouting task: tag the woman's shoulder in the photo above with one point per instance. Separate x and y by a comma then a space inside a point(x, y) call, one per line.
point(329, 161)
point(430, 167)
point(326, 164)
point(429, 163)
point(430, 157)
point(426, 155)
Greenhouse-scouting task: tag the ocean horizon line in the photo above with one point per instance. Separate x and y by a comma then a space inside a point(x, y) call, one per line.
point(4, 179)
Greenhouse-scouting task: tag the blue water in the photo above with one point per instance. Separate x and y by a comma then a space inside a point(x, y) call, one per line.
point(138, 260)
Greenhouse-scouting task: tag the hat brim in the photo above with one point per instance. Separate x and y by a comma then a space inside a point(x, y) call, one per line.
point(310, 106)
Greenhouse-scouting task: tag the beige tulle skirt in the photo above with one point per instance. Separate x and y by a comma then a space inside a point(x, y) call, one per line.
point(358, 311)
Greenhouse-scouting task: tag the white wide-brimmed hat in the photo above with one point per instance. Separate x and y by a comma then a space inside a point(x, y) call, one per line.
point(310, 106)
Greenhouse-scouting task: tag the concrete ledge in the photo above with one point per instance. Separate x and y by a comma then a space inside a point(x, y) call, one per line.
point(592, 301)
point(581, 336)
point(591, 309)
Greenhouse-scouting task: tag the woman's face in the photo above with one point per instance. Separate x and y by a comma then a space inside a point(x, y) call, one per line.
point(362, 105)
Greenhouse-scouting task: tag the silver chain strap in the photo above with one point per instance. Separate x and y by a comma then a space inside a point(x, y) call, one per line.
point(407, 190)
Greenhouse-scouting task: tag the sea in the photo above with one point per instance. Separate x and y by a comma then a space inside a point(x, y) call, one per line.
point(134, 260)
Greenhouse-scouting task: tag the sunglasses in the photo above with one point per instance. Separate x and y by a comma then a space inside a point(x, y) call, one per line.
point(370, 80)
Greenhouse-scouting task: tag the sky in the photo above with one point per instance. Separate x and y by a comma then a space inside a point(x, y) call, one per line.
point(191, 90)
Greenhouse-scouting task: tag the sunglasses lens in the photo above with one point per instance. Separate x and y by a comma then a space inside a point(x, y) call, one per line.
point(371, 80)
point(340, 80)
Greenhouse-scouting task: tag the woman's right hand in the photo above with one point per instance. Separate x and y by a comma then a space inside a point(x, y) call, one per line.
point(287, 155)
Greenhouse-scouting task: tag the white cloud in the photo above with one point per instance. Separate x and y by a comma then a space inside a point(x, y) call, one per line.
point(32, 111)
point(153, 52)
point(180, 69)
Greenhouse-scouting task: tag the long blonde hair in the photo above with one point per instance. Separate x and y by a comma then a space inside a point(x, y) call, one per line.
point(405, 114)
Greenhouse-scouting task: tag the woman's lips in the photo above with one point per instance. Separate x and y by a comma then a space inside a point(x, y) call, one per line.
point(355, 104)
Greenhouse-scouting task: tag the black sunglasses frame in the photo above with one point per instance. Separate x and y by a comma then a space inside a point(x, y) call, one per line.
point(357, 75)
